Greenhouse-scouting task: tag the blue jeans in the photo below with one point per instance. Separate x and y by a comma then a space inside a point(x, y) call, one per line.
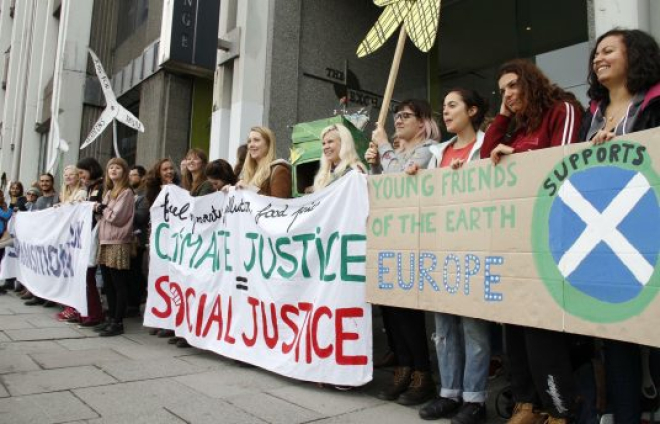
point(463, 348)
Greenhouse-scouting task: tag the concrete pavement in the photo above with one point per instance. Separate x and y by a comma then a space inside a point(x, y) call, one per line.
point(53, 372)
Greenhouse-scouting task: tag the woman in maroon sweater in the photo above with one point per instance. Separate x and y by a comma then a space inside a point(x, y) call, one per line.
point(534, 114)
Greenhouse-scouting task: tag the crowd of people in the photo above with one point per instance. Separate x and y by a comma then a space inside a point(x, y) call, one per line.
point(624, 88)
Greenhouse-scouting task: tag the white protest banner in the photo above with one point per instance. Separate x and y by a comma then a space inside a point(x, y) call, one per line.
point(278, 283)
point(50, 253)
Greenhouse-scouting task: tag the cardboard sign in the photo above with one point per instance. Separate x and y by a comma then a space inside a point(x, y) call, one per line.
point(565, 239)
point(50, 253)
point(278, 283)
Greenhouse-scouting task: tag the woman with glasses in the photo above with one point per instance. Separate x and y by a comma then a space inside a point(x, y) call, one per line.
point(416, 131)
point(339, 156)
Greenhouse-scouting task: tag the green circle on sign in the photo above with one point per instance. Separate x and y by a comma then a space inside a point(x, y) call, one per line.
point(568, 297)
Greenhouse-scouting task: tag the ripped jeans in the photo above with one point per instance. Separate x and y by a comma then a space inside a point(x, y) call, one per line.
point(463, 348)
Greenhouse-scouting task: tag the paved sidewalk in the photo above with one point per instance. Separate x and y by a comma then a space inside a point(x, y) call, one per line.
point(53, 372)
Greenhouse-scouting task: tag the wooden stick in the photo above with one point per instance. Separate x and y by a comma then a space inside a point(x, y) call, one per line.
point(394, 71)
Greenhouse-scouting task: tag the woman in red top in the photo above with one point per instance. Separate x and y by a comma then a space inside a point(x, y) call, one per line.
point(534, 114)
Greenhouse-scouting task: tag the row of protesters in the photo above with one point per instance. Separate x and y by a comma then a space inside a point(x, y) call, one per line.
point(624, 81)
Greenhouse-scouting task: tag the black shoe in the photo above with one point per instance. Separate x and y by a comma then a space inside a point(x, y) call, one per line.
point(49, 304)
point(3, 290)
point(165, 333)
point(113, 329)
point(470, 413)
point(27, 296)
point(439, 408)
point(35, 301)
point(182, 343)
point(102, 326)
point(174, 340)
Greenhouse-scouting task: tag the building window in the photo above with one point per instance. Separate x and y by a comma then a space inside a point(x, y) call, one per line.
point(132, 14)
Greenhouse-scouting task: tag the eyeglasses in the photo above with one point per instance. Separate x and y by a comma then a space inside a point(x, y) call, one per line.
point(403, 115)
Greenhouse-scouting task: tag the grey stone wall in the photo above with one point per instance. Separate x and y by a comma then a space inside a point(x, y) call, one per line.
point(165, 112)
point(309, 36)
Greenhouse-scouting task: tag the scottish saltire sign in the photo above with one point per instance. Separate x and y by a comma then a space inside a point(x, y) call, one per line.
point(564, 238)
point(278, 283)
point(50, 253)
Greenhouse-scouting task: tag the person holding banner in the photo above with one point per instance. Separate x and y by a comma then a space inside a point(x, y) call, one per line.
point(72, 191)
point(161, 174)
point(462, 343)
point(262, 172)
point(624, 87)
point(339, 156)
point(5, 216)
point(16, 197)
point(194, 175)
point(90, 173)
point(220, 173)
point(534, 114)
point(416, 130)
point(115, 239)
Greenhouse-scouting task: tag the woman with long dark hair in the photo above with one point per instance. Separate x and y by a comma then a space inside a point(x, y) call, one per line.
point(534, 114)
point(624, 87)
point(90, 174)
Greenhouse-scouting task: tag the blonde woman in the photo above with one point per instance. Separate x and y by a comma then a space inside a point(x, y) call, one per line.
point(262, 172)
point(73, 189)
point(339, 156)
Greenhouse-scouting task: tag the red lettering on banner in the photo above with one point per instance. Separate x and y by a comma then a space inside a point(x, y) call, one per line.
point(342, 336)
point(166, 298)
point(250, 341)
point(189, 291)
point(305, 322)
point(200, 314)
point(286, 310)
point(215, 317)
point(228, 338)
point(271, 341)
point(326, 351)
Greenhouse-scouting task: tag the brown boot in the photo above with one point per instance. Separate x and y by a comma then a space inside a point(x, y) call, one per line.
point(421, 389)
point(552, 420)
point(400, 383)
point(524, 413)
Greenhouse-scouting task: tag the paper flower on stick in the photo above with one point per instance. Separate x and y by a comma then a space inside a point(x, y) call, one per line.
point(420, 18)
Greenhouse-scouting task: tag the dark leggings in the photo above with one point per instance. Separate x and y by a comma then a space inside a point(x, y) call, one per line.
point(408, 331)
point(623, 371)
point(116, 291)
point(541, 369)
point(138, 284)
point(94, 308)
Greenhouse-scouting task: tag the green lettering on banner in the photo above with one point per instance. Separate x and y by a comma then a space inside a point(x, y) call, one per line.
point(347, 259)
point(474, 180)
point(478, 218)
point(159, 252)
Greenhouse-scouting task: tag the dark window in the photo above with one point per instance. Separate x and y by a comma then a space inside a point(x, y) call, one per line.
point(132, 14)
